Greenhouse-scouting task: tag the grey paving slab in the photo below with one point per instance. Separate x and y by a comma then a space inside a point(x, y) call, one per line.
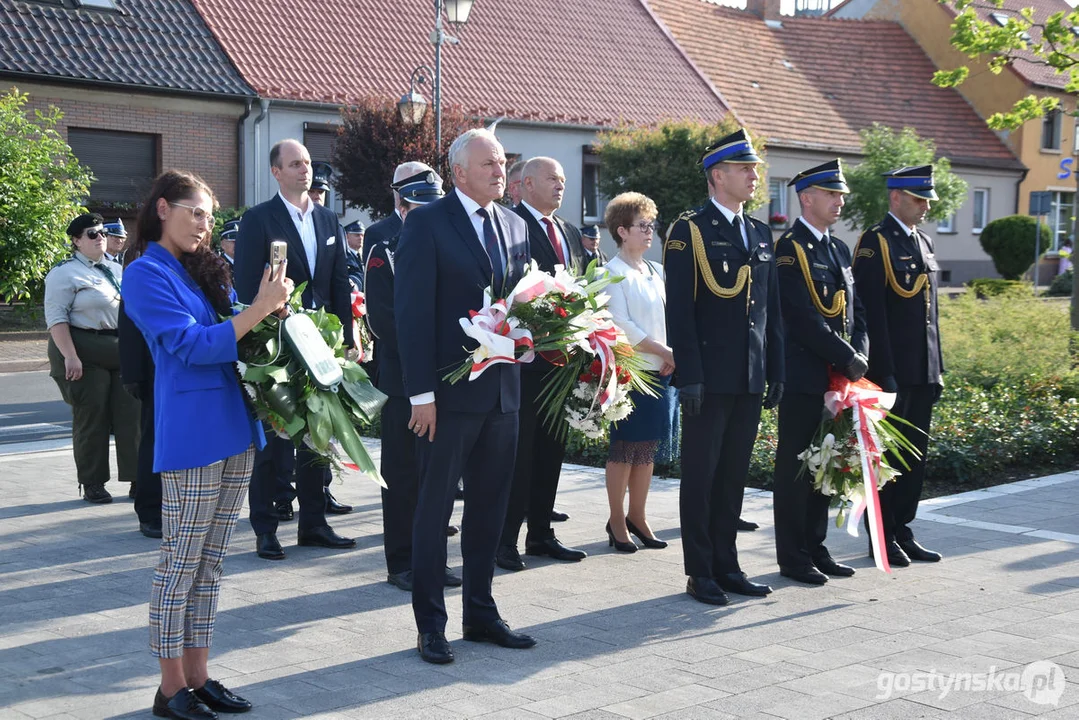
point(322, 635)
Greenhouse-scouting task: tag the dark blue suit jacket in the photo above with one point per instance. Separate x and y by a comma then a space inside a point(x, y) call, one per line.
point(270, 221)
point(441, 271)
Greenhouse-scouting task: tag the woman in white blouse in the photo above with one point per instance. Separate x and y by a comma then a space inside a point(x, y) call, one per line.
point(637, 305)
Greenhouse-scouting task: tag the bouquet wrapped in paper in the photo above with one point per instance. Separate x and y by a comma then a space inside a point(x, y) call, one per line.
point(284, 395)
point(846, 458)
point(564, 319)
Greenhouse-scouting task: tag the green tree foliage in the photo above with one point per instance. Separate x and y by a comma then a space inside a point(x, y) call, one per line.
point(662, 161)
point(42, 187)
point(886, 150)
point(1010, 242)
point(373, 141)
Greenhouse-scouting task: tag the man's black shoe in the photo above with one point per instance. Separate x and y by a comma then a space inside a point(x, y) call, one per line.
point(808, 575)
point(896, 556)
point(333, 507)
point(184, 705)
point(746, 525)
point(401, 580)
point(827, 565)
point(131, 490)
point(739, 584)
point(96, 494)
point(219, 698)
point(434, 648)
point(555, 549)
point(452, 530)
point(916, 552)
point(507, 558)
point(452, 579)
point(284, 510)
point(151, 529)
point(323, 536)
point(268, 548)
point(498, 633)
point(557, 516)
point(705, 590)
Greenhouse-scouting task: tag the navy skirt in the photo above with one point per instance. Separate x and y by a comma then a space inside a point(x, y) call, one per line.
point(651, 417)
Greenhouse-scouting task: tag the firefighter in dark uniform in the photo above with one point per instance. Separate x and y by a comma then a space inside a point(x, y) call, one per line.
point(725, 328)
point(896, 274)
point(398, 442)
point(354, 232)
point(825, 330)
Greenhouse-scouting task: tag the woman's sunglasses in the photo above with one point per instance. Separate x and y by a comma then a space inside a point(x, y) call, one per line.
point(94, 234)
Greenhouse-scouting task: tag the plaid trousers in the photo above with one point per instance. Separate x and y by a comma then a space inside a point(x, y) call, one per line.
point(199, 508)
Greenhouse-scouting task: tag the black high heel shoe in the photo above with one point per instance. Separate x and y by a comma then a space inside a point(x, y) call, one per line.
point(612, 541)
point(649, 542)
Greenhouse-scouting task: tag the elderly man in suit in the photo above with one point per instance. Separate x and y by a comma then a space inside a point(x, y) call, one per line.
point(449, 251)
point(316, 256)
point(551, 241)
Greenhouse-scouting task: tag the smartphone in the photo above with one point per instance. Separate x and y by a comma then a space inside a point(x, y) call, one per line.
point(278, 251)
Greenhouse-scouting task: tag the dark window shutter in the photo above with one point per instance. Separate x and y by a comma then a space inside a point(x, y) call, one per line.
point(124, 164)
point(320, 144)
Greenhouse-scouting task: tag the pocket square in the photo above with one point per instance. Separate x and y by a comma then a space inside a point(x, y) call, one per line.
point(331, 239)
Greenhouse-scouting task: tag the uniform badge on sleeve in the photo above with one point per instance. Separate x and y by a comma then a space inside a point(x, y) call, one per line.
point(676, 245)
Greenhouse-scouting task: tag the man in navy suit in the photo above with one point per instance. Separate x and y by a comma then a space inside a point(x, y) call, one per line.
point(449, 251)
point(316, 256)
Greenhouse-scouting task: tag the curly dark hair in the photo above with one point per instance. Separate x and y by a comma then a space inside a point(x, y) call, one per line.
point(205, 267)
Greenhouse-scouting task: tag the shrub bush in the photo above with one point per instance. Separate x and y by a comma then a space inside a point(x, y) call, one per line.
point(1062, 285)
point(1009, 241)
point(995, 287)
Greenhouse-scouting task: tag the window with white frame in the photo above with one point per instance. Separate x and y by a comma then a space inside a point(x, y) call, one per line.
point(947, 225)
point(592, 201)
point(981, 209)
point(1061, 218)
point(777, 202)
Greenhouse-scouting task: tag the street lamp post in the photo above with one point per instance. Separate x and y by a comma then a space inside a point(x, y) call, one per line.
point(457, 12)
point(413, 106)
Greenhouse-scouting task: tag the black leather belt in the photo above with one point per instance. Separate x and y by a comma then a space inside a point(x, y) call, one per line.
point(107, 331)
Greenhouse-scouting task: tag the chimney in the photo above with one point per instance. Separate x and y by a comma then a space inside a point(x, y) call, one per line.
point(764, 9)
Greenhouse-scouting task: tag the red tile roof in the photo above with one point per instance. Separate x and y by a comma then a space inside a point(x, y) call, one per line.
point(586, 63)
point(816, 82)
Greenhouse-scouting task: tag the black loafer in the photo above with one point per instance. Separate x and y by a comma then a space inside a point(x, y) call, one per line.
point(508, 558)
point(705, 590)
point(402, 580)
point(557, 516)
point(746, 525)
point(335, 508)
point(268, 548)
point(219, 698)
point(323, 536)
point(434, 648)
point(896, 556)
point(150, 529)
point(808, 575)
point(916, 552)
point(827, 565)
point(184, 705)
point(452, 530)
point(552, 547)
point(739, 584)
point(283, 510)
point(131, 490)
point(498, 633)
point(96, 494)
point(452, 579)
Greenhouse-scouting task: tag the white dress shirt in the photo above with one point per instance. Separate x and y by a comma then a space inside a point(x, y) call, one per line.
point(638, 305)
point(305, 226)
point(906, 228)
point(540, 217)
point(816, 233)
point(730, 215)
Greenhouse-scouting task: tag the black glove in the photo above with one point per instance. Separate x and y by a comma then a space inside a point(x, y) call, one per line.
point(888, 384)
point(691, 397)
point(773, 396)
point(856, 368)
point(134, 390)
point(938, 390)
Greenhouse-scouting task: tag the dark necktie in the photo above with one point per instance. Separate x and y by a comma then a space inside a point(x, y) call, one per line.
point(738, 229)
point(490, 244)
point(554, 242)
point(108, 274)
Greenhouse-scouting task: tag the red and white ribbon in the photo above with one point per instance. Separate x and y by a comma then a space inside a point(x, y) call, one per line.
point(359, 310)
point(499, 337)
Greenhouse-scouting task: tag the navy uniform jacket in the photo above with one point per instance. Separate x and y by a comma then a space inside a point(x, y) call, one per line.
point(732, 345)
point(441, 270)
point(384, 229)
point(378, 293)
point(814, 342)
point(270, 221)
point(900, 307)
point(355, 268)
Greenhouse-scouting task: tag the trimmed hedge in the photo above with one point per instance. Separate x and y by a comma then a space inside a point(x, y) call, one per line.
point(1010, 242)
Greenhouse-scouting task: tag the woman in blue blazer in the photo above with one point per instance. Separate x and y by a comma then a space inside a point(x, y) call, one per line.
point(176, 293)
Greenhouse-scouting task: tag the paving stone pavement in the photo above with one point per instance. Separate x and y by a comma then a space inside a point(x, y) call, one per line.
point(24, 351)
point(322, 634)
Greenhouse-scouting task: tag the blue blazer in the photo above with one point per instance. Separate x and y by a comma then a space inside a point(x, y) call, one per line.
point(440, 272)
point(199, 412)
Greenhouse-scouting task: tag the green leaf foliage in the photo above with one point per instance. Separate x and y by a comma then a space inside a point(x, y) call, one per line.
point(885, 150)
point(662, 162)
point(42, 187)
point(1010, 240)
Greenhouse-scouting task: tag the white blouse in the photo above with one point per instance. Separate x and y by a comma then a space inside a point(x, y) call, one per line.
point(638, 305)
